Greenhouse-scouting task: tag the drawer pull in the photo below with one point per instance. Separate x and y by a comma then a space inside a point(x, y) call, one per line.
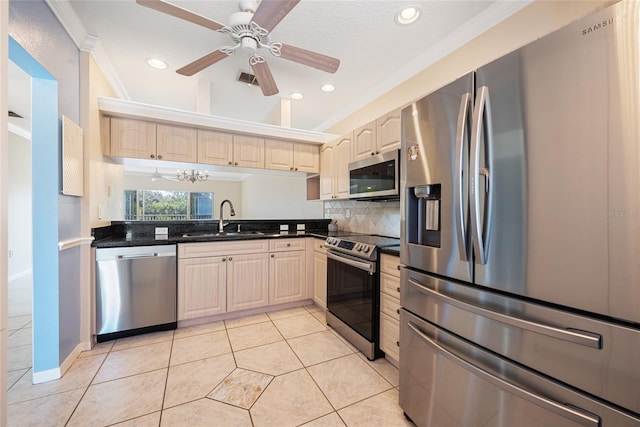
point(398, 289)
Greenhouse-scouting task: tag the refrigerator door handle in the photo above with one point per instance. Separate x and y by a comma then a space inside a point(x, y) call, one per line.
point(459, 211)
point(576, 336)
point(570, 412)
point(481, 127)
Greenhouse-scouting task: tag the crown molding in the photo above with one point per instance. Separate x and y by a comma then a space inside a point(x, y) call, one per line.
point(141, 111)
point(87, 43)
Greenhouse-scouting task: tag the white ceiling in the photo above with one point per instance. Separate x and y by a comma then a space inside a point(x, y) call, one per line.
point(19, 100)
point(376, 54)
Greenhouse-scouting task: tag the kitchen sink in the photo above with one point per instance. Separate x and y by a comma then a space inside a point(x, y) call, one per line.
point(223, 233)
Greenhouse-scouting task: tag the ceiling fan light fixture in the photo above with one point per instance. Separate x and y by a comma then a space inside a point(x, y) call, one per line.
point(328, 88)
point(156, 63)
point(408, 15)
point(296, 95)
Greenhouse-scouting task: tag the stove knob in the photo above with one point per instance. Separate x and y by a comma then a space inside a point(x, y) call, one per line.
point(358, 247)
point(366, 249)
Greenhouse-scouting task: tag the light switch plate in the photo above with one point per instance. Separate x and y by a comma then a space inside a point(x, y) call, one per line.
point(299, 227)
point(162, 230)
point(284, 227)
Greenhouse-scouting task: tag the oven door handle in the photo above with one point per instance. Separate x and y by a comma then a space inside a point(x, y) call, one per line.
point(362, 265)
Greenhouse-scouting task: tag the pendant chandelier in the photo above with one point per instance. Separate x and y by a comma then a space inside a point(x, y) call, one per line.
point(193, 176)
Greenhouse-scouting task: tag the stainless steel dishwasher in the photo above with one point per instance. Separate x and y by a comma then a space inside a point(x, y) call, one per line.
point(135, 290)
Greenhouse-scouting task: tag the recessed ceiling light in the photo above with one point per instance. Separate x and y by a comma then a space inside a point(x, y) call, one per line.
point(157, 63)
point(328, 88)
point(408, 15)
point(296, 95)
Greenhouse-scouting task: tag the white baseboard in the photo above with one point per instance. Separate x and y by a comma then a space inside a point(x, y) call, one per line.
point(57, 373)
point(19, 275)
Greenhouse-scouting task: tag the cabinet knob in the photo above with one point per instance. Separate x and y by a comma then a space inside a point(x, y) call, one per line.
point(273, 256)
point(230, 163)
point(224, 259)
point(288, 244)
point(291, 168)
point(153, 156)
point(296, 168)
point(398, 343)
point(398, 266)
point(377, 152)
point(160, 157)
point(373, 154)
point(398, 289)
point(397, 310)
point(236, 163)
point(231, 259)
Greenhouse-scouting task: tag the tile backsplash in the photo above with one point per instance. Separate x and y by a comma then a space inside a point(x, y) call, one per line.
point(365, 217)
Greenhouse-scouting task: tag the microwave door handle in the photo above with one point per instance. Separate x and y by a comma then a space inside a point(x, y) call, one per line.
point(459, 176)
point(481, 127)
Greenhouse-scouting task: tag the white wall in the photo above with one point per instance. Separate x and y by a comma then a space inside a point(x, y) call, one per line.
point(19, 206)
point(278, 197)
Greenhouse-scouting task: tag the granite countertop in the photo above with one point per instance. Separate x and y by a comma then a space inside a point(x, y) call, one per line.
point(391, 250)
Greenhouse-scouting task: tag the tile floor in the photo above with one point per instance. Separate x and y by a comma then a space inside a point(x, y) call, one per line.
point(284, 368)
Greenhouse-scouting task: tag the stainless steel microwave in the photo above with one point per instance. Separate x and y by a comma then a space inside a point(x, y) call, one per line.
point(377, 177)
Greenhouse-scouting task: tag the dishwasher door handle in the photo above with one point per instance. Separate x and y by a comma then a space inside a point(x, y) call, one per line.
point(137, 256)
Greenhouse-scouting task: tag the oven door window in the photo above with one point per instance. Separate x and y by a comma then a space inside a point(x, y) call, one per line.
point(350, 296)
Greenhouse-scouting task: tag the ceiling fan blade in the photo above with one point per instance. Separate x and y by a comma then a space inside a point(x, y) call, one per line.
point(270, 12)
point(265, 78)
point(202, 63)
point(178, 12)
point(309, 58)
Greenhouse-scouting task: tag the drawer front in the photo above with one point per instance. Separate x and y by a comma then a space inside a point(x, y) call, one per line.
point(390, 336)
point(205, 249)
point(318, 246)
point(390, 306)
point(390, 285)
point(282, 245)
point(390, 264)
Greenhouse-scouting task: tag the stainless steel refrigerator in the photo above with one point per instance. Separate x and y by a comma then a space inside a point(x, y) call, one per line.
point(520, 236)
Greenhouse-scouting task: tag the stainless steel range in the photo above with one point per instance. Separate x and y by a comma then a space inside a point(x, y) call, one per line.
point(353, 289)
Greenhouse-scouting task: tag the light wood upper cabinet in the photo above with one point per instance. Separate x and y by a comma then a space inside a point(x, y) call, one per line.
point(133, 138)
point(248, 151)
point(202, 289)
point(388, 131)
point(178, 144)
point(290, 156)
point(334, 169)
point(215, 148)
point(364, 141)
point(146, 140)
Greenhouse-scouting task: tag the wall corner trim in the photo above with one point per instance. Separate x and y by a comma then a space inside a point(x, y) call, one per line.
point(57, 373)
point(72, 243)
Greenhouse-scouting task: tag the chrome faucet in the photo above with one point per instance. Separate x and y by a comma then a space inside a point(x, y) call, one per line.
point(221, 221)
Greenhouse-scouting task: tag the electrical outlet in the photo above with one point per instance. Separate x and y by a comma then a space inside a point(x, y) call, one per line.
point(300, 227)
point(162, 230)
point(284, 227)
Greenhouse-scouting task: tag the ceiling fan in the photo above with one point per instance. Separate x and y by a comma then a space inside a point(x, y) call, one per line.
point(249, 29)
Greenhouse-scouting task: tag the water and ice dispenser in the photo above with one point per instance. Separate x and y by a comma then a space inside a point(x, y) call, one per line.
point(423, 215)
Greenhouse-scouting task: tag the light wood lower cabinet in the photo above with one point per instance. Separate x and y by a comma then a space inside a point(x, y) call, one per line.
point(203, 287)
point(247, 284)
point(287, 271)
point(390, 306)
point(319, 273)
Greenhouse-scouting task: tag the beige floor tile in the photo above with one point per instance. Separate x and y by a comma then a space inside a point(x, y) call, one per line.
point(144, 339)
point(331, 420)
point(320, 347)
point(19, 357)
point(14, 376)
point(98, 348)
point(20, 337)
point(343, 339)
point(272, 359)
point(290, 312)
point(199, 347)
point(204, 413)
point(242, 388)
point(337, 377)
point(204, 328)
point(382, 409)
point(120, 400)
point(253, 336)
point(135, 360)
point(290, 400)
point(151, 420)
point(296, 326)
point(53, 410)
point(79, 375)
point(17, 322)
point(246, 320)
point(194, 380)
point(384, 368)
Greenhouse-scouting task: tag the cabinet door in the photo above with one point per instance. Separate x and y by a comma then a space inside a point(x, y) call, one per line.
point(248, 151)
point(306, 158)
point(176, 143)
point(215, 148)
point(320, 279)
point(390, 336)
point(247, 281)
point(133, 138)
point(278, 155)
point(341, 159)
point(388, 131)
point(326, 171)
point(202, 284)
point(364, 141)
point(287, 277)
